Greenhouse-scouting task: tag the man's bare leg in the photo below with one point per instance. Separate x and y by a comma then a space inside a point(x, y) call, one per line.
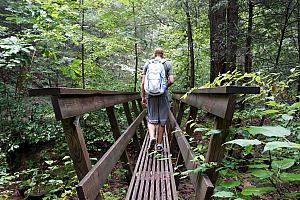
point(160, 137)
point(151, 129)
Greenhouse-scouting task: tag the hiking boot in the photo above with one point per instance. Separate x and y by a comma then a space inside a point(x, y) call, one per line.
point(152, 145)
point(159, 148)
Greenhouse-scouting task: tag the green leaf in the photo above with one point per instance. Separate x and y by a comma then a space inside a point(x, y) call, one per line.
point(213, 132)
point(230, 184)
point(295, 105)
point(271, 111)
point(258, 166)
point(283, 164)
point(270, 131)
point(290, 177)
point(260, 173)
point(223, 194)
point(252, 190)
point(287, 117)
point(275, 145)
point(201, 129)
point(244, 142)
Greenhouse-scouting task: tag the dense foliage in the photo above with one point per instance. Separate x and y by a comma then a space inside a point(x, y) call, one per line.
point(41, 46)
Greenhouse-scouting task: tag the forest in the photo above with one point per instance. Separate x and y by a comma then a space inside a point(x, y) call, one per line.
point(104, 44)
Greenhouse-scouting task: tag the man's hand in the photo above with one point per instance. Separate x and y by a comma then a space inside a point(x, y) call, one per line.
point(144, 101)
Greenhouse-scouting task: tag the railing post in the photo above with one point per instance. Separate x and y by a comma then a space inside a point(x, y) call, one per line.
point(216, 149)
point(135, 110)
point(136, 142)
point(191, 119)
point(141, 109)
point(126, 161)
point(77, 146)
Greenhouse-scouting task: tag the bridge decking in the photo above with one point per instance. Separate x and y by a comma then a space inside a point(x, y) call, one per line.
point(153, 176)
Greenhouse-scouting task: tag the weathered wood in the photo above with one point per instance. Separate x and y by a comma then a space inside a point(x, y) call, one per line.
point(201, 182)
point(64, 91)
point(216, 149)
point(191, 119)
point(126, 161)
point(65, 107)
point(141, 108)
point(135, 110)
point(128, 115)
point(180, 113)
point(226, 90)
point(221, 105)
point(77, 146)
point(89, 186)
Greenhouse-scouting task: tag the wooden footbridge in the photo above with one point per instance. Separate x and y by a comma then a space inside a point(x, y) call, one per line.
point(151, 176)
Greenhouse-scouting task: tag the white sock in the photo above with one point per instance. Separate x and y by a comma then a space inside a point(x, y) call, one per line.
point(160, 145)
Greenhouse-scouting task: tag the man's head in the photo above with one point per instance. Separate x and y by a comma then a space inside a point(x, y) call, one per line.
point(159, 52)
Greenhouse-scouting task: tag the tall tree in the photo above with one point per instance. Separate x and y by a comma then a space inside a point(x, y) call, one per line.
point(232, 34)
point(283, 30)
point(217, 16)
point(248, 55)
point(190, 43)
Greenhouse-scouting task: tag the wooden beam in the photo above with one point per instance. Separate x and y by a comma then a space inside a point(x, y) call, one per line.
point(136, 112)
point(65, 107)
point(192, 117)
point(77, 146)
point(128, 115)
point(216, 149)
point(88, 188)
point(180, 113)
point(226, 90)
point(202, 184)
point(63, 91)
point(221, 105)
point(141, 109)
point(126, 161)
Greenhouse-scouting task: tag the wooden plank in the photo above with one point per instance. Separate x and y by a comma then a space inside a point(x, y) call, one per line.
point(201, 183)
point(77, 147)
point(226, 90)
point(63, 91)
point(221, 105)
point(141, 108)
point(128, 115)
point(191, 119)
point(125, 159)
point(136, 112)
point(89, 186)
point(157, 179)
point(139, 171)
point(144, 171)
point(152, 182)
point(172, 180)
point(141, 156)
point(204, 189)
point(216, 149)
point(180, 113)
point(65, 107)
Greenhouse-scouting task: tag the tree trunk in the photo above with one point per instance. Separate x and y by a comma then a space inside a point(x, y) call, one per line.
point(217, 36)
point(135, 48)
point(190, 44)
point(82, 44)
point(298, 19)
point(287, 15)
point(232, 34)
point(248, 55)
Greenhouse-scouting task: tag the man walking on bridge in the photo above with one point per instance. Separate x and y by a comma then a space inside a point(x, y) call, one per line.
point(157, 77)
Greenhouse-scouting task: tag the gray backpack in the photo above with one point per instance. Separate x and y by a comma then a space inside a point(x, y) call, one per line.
point(155, 78)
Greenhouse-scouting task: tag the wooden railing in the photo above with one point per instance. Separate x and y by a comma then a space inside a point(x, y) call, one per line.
point(220, 102)
point(68, 105)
